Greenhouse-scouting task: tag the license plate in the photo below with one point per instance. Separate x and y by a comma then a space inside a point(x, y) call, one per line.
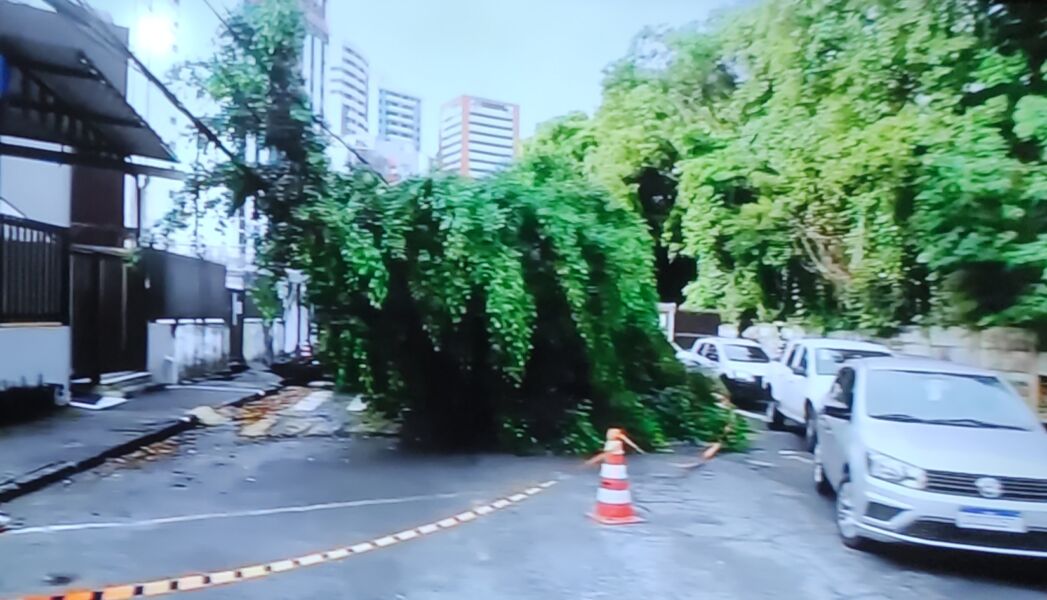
point(990, 520)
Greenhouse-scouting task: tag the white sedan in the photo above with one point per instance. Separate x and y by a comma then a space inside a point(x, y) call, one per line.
point(740, 363)
point(933, 453)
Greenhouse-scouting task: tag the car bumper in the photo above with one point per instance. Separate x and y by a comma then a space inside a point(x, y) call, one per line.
point(893, 513)
point(745, 389)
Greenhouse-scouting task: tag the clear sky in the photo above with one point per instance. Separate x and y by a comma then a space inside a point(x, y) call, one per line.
point(547, 56)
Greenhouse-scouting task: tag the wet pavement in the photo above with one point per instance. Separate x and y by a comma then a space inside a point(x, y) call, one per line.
point(47, 449)
point(745, 526)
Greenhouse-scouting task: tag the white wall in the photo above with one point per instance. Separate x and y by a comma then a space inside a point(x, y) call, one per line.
point(34, 355)
point(37, 190)
point(254, 340)
point(186, 348)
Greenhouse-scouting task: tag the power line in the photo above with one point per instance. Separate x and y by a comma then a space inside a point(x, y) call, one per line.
point(83, 15)
point(320, 122)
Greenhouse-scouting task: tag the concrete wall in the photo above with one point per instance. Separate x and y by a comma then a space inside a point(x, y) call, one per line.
point(36, 189)
point(34, 355)
point(1010, 352)
point(256, 335)
point(255, 340)
point(186, 348)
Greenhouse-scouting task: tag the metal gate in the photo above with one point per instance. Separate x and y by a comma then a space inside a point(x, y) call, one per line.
point(108, 314)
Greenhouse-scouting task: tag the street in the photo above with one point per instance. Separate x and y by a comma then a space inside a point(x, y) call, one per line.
point(745, 526)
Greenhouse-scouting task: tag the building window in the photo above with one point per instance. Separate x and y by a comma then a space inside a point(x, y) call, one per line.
point(490, 137)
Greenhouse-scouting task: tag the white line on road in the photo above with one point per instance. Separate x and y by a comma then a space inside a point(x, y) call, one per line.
point(803, 459)
point(214, 388)
point(229, 515)
point(752, 415)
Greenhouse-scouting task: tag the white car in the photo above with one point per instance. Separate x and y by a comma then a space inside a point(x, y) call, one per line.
point(797, 383)
point(933, 453)
point(741, 364)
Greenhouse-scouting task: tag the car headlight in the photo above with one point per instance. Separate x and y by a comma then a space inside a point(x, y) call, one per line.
point(893, 470)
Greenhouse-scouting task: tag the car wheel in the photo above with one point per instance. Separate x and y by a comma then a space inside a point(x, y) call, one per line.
point(821, 484)
point(810, 431)
point(776, 420)
point(846, 521)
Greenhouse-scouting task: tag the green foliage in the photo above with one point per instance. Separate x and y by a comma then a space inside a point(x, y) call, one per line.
point(265, 296)
point(699, 422)
point(514, 311)
point(854, 163)
point(517, 311)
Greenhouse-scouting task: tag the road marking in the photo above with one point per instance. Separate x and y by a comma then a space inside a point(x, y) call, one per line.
point(230, 515)
point(199, 581)
point(215, 388)
point(797, 455)
point(752, 415)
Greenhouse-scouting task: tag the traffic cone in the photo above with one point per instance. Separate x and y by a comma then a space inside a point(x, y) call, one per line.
point(614, 503)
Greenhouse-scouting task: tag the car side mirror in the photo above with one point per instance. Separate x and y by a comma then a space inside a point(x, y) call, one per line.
point(837, 410)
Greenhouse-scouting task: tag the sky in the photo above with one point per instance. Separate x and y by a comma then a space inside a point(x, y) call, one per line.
point(547, 56)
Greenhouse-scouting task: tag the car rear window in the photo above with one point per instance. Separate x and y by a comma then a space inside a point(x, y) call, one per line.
point(828, 360)
point(740, 353)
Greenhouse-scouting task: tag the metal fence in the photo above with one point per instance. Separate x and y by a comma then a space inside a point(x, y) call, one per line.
point(182, 287)
point(34, 272)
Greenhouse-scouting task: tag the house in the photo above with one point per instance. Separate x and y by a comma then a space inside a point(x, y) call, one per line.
point(74, 159)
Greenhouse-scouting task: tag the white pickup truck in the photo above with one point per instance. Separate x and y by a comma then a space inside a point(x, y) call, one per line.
point(797, 382)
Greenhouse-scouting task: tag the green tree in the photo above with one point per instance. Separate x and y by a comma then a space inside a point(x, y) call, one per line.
point(517, 311)
point(859, 163)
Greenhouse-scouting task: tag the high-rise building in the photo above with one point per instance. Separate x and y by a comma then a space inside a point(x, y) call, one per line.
point(477, 136)
point(314, 56)
point(351, 80)
point(399, 117)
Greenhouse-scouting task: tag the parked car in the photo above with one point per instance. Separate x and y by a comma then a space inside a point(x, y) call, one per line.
point(740, 363)
point(799, 380)
point(929, 452)
point(684, 353)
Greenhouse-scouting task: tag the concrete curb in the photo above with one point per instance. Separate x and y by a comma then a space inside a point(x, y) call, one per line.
point(53, 473)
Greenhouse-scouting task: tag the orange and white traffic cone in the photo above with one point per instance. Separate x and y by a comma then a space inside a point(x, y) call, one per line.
point(614, 503)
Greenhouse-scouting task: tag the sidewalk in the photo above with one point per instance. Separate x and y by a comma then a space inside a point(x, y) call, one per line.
point(71, 440)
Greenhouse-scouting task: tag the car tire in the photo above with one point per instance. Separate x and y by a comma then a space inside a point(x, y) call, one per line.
point(846, 522)
point(776, 420)
point(810, 431)
point(821, 484)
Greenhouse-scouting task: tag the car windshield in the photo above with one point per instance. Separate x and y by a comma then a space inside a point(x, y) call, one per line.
point(945, 399)
point(828, 360)
point(739, 353)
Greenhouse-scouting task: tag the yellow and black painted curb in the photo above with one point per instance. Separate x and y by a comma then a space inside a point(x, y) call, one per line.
point(201, 581)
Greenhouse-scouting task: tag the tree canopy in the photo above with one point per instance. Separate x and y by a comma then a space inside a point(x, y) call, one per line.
point(849, 162)
point(516, 311)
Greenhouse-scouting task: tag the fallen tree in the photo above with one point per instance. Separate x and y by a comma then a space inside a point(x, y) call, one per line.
point(516, 312)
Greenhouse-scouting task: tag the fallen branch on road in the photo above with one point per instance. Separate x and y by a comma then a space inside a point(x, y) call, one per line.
point(713, 449)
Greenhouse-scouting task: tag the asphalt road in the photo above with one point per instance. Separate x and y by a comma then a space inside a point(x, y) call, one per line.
point(745, 526)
